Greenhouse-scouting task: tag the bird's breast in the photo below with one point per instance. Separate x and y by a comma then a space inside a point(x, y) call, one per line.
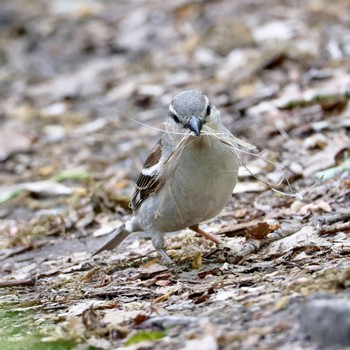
point(199, 186)
point(206, 169)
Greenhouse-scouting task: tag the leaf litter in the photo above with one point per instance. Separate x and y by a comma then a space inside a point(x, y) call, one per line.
point(68, 167)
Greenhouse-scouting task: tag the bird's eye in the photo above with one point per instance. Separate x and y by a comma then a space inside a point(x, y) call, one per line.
point(176, 119)
point(208, 109)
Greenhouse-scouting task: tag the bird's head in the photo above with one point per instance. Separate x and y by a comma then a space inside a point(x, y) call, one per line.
point(190, 109)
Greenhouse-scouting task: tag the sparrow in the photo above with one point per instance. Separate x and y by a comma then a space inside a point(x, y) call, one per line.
point(188, 177)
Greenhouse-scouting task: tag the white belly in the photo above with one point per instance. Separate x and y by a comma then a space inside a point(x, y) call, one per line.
point(196, 191)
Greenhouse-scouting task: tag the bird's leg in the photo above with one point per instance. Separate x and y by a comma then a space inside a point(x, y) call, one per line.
point(207, 235)
point(166, 257)
point(158, 243)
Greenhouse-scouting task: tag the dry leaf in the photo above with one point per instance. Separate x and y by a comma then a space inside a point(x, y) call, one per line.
point(260, 231)
point(13, 138)
point(164, 297)
point(91, 319)
point(139, 318)
point(326, 157)
point(319, 206)
point(197, 261)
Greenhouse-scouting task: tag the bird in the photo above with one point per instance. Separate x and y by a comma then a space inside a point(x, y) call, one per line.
point(187, 178)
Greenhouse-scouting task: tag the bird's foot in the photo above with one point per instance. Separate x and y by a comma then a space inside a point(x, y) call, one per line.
point(166, 257)
point(207, 235)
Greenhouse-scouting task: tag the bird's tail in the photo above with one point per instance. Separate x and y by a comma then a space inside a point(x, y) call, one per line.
point(114, 240)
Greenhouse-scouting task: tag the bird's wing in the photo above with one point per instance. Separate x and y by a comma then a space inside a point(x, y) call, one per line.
point(149, 178)
point(161, 162)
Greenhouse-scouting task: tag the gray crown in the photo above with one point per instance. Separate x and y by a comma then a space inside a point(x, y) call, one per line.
point(190, 103)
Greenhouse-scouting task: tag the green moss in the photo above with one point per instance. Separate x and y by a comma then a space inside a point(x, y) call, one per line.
point(145, 336)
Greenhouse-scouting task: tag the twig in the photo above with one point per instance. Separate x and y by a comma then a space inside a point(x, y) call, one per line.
point(326, 99)
point(18, 283)
point(253, 246)
point(23, 249)
point(324, 230)
point(338, 217)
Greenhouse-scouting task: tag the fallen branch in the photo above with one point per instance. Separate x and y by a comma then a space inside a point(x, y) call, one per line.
point(253, 246)
point(18, 283)
point(22, 249)
point(338, 227)
point(338, 217)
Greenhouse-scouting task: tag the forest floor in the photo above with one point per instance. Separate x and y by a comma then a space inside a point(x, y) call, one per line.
point(84, 88)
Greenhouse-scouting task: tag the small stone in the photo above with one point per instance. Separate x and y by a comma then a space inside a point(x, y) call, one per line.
point(313, 268)
point(327, 322)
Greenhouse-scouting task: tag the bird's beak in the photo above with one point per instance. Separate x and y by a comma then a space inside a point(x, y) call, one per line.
point(195, 124)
